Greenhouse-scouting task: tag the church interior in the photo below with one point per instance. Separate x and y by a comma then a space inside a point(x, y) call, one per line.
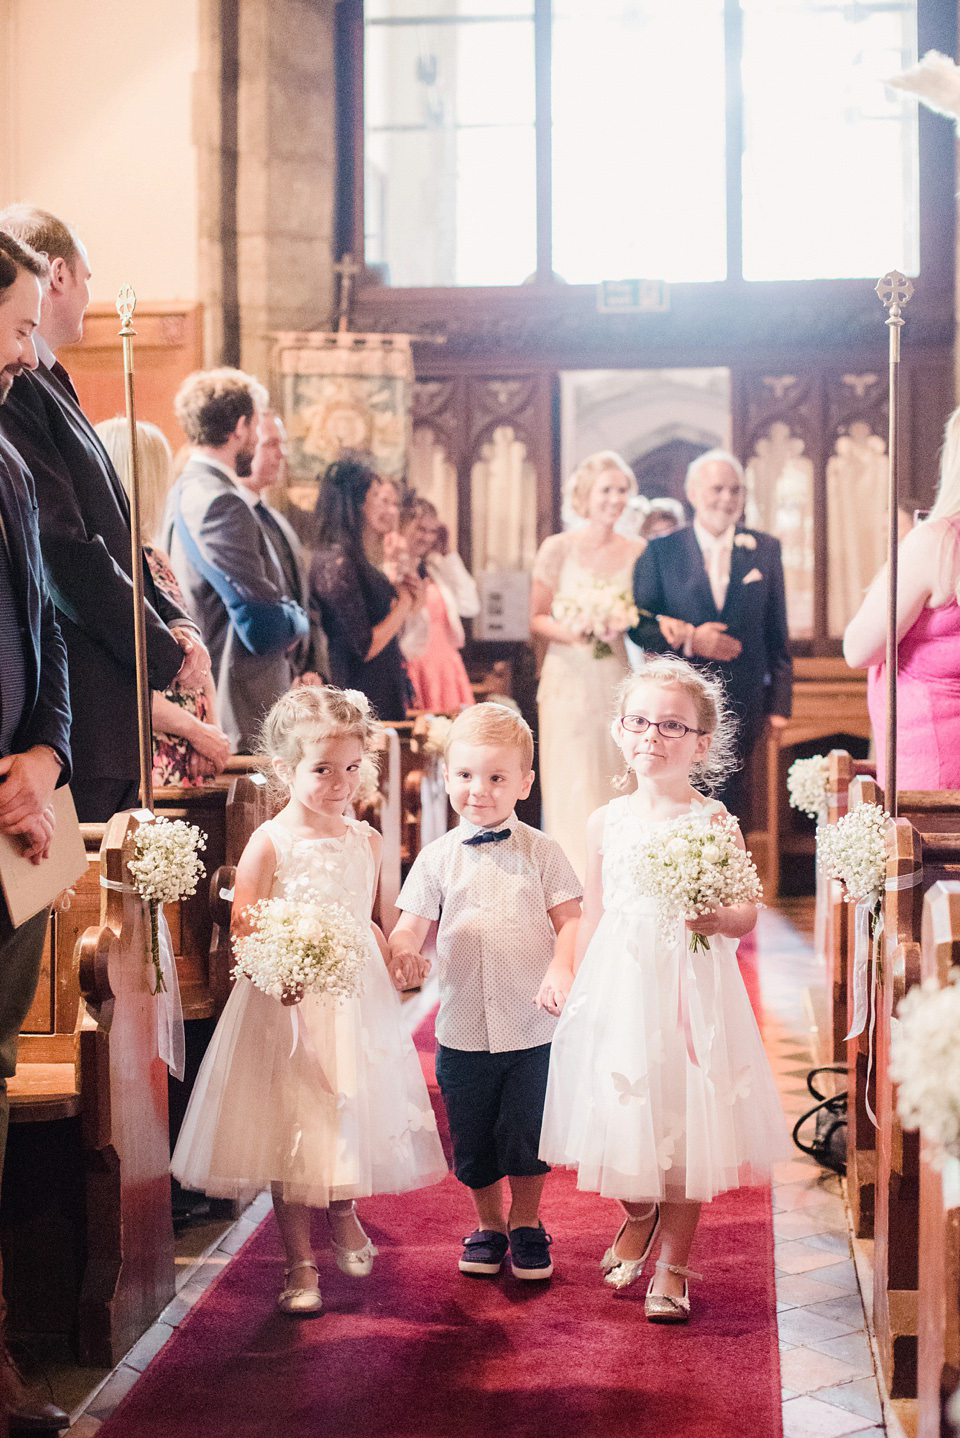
point(480, 240)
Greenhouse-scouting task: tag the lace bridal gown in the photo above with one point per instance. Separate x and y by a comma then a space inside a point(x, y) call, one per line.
point(578, 759)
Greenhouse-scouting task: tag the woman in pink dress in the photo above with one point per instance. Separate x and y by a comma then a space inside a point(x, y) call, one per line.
point(433, 638)
point(928, 635)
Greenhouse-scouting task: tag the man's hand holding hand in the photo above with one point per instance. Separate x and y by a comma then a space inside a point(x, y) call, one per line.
point(196, 661)
point(27, 782)
point(711, 641)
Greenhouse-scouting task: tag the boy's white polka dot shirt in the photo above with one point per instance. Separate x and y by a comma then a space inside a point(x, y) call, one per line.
point(495, 939)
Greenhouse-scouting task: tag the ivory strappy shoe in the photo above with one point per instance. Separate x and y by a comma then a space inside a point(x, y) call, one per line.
point(301, 1302)
point(663, 1307)
point(354, 1262)
point(621, 1272)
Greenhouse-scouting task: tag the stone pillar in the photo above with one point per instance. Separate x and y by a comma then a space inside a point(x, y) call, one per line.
point(286, 171)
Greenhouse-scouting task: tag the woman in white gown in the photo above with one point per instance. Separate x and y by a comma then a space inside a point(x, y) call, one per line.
point(578, 758)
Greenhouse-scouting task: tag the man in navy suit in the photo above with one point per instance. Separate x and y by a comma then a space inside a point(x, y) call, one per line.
point(34, 726)
point(84, 521)
point(719, 589)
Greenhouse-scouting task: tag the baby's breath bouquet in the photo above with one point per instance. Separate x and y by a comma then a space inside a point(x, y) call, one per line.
point(692, 868)
point(430, 733)
point(303, 944)
point(854, 851)
point(166, 867)
point(807, 785)
point(925, 1063)
point(596, 612)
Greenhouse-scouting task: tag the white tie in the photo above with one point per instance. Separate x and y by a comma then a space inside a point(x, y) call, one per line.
point(718, 571)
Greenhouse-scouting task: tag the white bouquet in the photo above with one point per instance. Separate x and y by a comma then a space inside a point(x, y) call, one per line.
point(807, 785)
point(430, 733)
point(596, 612)
point(692, 868)
point(855, 851)
point(925, 1062)
point(302, 944)
point(166, 867)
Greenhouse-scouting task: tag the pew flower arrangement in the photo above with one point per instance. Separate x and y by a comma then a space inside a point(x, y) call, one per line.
point(854, 851)
point(165, 868)
point(925, 1063)
point(596, 613)
point(693, 868)
point(302, 946)
point(430, 733)
point(807, 785)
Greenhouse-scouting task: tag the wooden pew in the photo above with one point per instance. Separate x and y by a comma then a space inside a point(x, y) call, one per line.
point(921, 850)
point(842, 771)
point(86, 1228)
point(938, 1276)
point(861, 1084)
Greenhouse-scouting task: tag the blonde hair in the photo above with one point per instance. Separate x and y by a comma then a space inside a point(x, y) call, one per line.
point(313, 712)
point(578, 486)
point(42, 231)
point(155, 463)
point(492, 724)
point(711, 706)
point(947, 502)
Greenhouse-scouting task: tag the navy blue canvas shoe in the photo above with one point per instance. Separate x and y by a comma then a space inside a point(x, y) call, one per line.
point(483, 1252)
point(530, 1252)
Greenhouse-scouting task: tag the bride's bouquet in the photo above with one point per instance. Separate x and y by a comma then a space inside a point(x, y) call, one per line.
point(302, 945)
point(597, 613)
point(692, 868)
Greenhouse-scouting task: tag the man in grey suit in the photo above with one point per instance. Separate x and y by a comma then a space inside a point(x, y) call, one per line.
point(268, 469)
point(225, 563)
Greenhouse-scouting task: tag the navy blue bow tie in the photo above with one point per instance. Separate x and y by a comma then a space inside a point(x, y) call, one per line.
point(488, 836)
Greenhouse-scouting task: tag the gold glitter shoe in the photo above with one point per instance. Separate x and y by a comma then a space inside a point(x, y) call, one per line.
point(621, 1272)
point(663, 1307)
point(301, 1302)
point(355, 1262)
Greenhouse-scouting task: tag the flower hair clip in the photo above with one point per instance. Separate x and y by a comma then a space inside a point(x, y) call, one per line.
point(744, 541)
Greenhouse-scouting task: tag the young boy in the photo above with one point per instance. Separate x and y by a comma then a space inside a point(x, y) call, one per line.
point(506, 898)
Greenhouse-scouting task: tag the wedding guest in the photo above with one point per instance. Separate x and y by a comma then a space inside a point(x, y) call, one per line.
point(267, 471)
point(663, 516)
point(714, 591)
point(84, 522)
point(577, 689)
point(226, 564)
point(436, 670)
point(361, 610)
point(928, 640)
point(187, 745)
point(34, 732)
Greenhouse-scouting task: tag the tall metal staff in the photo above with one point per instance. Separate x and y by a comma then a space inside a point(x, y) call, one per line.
point(895, 291)
point(126, 304)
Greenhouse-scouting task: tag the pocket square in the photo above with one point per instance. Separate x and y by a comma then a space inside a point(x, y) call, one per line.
point(752, 577)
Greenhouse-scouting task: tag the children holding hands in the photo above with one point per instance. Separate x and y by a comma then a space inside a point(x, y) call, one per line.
point(507, 901)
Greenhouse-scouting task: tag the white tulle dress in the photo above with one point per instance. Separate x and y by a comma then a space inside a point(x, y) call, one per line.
point(659, 1086)
point(326, 1098)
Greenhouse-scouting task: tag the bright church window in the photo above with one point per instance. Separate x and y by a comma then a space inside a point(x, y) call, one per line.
point(686, 140)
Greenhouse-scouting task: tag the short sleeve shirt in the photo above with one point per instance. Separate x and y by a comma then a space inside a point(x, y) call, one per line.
point(495, 939)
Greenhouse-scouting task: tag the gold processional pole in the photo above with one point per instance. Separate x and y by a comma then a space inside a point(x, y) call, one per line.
point(895, 291)
point(126, 304)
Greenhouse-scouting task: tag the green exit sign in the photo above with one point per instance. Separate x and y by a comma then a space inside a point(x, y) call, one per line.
point(633, 297)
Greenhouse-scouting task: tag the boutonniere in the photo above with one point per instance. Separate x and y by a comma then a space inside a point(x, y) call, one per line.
point(744, 541)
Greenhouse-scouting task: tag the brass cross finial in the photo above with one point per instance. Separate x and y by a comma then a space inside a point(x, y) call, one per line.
point(347, 269)
point(895, 291)
point(126, 304)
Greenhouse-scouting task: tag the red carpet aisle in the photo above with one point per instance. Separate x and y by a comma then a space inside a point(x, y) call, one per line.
point(418, 1351)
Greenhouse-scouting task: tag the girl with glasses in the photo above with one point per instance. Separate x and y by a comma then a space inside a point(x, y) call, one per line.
point(659, 1091)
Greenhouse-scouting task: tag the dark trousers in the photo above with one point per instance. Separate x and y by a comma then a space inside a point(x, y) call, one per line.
point(97, 799)
point(20, 953)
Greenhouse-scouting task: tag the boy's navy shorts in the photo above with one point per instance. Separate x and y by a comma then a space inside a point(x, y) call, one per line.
point(494, 1104)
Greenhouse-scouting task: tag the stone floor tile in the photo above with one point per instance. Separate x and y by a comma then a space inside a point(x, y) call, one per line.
point(848, 1309)
point(842, 1276)
point(148, 1346)
point(795, 1170)
point(860, 1396)
point(805, 1370)
point(801, 1256)
point(836, 1242)
point(237, 1236)
point(86, 1426)
point(809, 1418)
point(850, 1348)
point(799, 1289)
point(796, 1223)
point(802, 1325)
point(117, 1386)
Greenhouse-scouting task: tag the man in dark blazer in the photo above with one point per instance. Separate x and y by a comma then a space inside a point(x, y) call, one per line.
point(84, 521)
point(34, 727)
point(719, 591)
point(224, 557)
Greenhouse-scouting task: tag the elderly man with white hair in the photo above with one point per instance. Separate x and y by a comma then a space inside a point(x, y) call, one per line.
point(713, 592)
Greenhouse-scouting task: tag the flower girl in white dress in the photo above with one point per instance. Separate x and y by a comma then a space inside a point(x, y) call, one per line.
point(659, 1092)
point(329, 1105)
